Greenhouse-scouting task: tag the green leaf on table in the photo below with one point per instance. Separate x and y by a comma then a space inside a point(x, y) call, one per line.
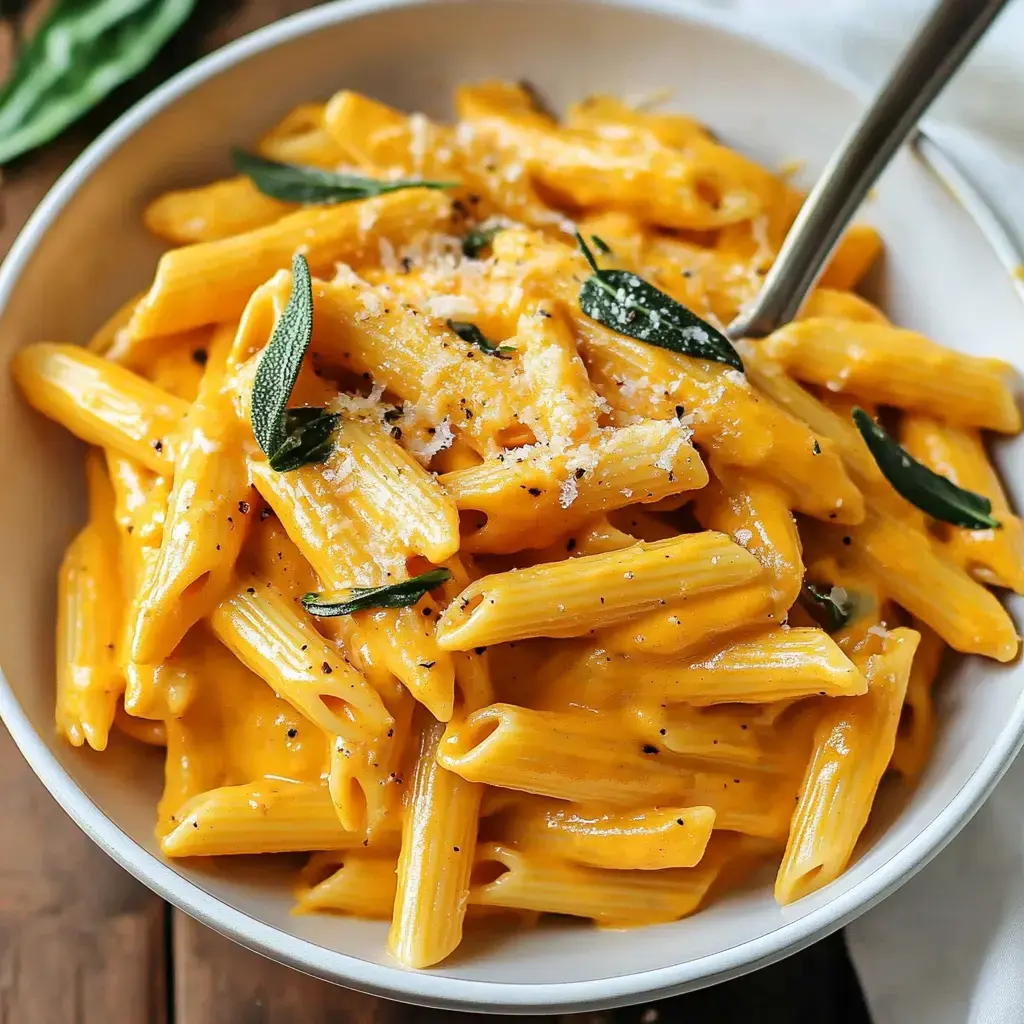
point(391, 595)
point(626, 303)
point(294, 184)
point(80, 53)
point(925, 489)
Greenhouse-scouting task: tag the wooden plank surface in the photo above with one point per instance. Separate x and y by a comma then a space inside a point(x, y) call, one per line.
point(83, 943)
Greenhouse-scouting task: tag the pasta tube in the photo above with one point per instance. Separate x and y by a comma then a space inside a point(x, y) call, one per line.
point(561, 755)
point(506, 877)
point(438, 844)
point(100, 402)
point(420, 360)
point(853, 744)
point(914, 735)
point(366, 777)
point(571, 598)
point(960, 610)
point(529, 503)
point(344, 551)
point(698, 189)
point(686, 626)
point(781, 664)
point(359, 883)
point(892, 366)
point(772, 443)
point(268, 816)
point(279, 644)
point(89, 613)
point(210, 282)
point(667, 837)
point(208, 514)
point(757, 515)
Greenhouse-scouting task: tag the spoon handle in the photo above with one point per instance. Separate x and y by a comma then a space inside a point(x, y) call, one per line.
point(942, 43)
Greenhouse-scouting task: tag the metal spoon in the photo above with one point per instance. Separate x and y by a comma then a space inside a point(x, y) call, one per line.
point(944, 40)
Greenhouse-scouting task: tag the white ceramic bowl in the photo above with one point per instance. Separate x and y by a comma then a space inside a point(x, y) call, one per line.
point(85, 250)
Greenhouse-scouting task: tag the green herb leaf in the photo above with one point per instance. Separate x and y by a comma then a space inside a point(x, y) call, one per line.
point(628, 304)
point(358, 599)
point(77, 56)
point(831, 612)
point(471, 333)
point(294, 184)
point(307, 439)
point(933, 494)
point(289, 437)
point(476, 240)
point(601, 245)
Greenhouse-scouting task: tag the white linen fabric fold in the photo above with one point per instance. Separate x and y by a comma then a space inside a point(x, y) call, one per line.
point(948, 947)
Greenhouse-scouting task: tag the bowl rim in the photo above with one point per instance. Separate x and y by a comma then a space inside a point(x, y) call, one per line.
point(394, 981)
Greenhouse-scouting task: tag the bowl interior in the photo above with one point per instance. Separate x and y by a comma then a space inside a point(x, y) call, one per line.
point(939, 277)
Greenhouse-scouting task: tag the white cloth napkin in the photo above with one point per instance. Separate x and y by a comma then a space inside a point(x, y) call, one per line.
point(948, 947)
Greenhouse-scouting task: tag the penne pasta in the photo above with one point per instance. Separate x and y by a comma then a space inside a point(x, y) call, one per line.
point(570, 599)
point(853, 744)
point(101, 403)
point(897, 367)
point(89, 613)
point(265, 817)
point(566, 756)
point(779, 664)
point(358, 882)
point(279, 644)
point(210, 282)
point(208, 513)
point(438, 845)
point(529, 502)
point(667, 837)
point(507, 877)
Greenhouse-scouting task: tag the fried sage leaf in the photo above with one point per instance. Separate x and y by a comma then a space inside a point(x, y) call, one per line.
point(391, 595)
point(289, 437)
point(294, 184)
point(628, 304)
point(932, 493)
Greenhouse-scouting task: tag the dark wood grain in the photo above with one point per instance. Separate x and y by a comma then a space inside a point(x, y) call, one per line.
point(81, 942)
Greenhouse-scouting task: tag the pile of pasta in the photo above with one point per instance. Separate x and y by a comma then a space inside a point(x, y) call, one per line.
point(616, 701)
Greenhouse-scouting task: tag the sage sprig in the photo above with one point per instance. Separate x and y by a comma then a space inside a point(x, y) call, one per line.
point(471, 333)
point(925, 489)
point(289, 437)
point(628, 304)
point(294, 184)
point(360, 599)
point(831, 612)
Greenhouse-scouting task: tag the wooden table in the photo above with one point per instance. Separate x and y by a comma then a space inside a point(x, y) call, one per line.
point(81, 942)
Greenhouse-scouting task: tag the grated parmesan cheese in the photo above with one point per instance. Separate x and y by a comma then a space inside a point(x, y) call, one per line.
point(360, 406)
point(442, 439)
point(450, 307)
point(568, 492)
